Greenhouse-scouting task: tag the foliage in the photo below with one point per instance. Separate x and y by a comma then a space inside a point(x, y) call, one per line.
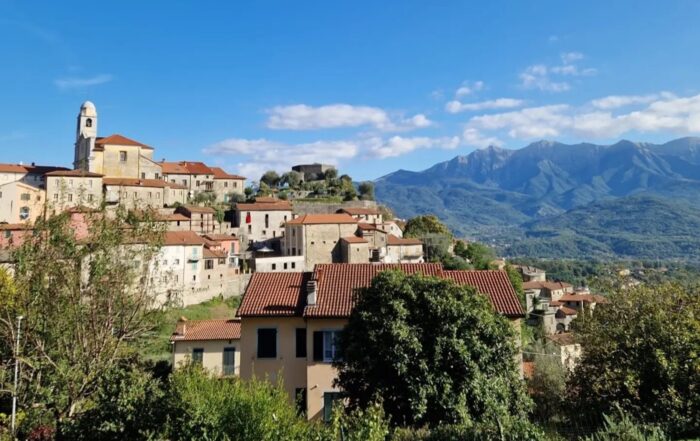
point(330, 174)
point(202, 406)
point(642, 350)
point(205, 198)
point(271, 178)
point(508, 429)
point(447, 357)
point(548, 383)
point(420, 226)
point(292, 178)
point(83, 299)
point(479, 255)
point(356, 425)
point(624, 429)
point(517, 281)
point(366, 190)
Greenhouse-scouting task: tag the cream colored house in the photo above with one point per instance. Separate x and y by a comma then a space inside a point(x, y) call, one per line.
point(290, 321)
point(143, 193)
point(202, 219)
point(261, 223)
point(403, 250)
point(20, 202)
point(213, 344)
point(367, 215)
point(317, 237)
point(226, 185)
point(569, 350)
point(201, 178)
point(73, 188)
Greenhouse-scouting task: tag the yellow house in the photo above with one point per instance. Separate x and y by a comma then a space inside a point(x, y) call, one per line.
point(289, 322)
point(213, 344)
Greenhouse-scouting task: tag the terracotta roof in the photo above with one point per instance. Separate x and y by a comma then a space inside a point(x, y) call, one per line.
point(493, 283)
point(319, 219)
point(267, 199)
point(220, 173)
point(77, 173)
point(120, 140)
point(197, 330)
point(173, 168)
point(563, 339)
point(359, 211)
point(182, 238)
point(336, 284)
point(586, 298)
point(546, 285)
point(393, 240)
point(555, 303)
point(564, 311)
point(32, 169)
point(220, 237)
point(150, 183)
point(274, 294)
point(214, 254)
point(278, 205)
point(5, 227)
point(369, 227)
point(354, 239)
point(12, 168)
point(198, 209)
point(172, 217)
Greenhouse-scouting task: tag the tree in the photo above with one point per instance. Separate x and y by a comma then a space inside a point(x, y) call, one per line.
point(292, 178)
point(366, 189)
point(271, 178)
point(330, 174)
point(640, 352)
point(548, 383)
point(517, 281)
point(419, 226)
point(433, 351)
point(623, 428)
point(84, 296)
point(479, 255)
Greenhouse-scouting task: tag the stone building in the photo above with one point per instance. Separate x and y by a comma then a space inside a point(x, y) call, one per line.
point(227, 187)
point(317, 237)
point(143, 193)
point(312, 172)
point(261, 223)
point(73, 188)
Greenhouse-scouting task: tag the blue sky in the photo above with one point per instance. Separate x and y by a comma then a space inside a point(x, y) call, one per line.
point(371, 86)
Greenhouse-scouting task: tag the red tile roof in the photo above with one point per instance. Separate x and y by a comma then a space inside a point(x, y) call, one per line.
point(120, 140)
point(182, 238)
point(493, 283)
point(274, 294)
point(198, 330)
point(12, 168)
point(77, 173)
point(214, 254)
point(220, 237)
point(185, 168)
point(173, 168)
point(278, 205)
point(171, 217)
point(319, 219)
point(220, 173)
point(564, 311)
point(132, 182)
point(552, 286)
point(393, 240)
point(359, 211)
point(369, 227)
point(33, 169)
point(354, 239)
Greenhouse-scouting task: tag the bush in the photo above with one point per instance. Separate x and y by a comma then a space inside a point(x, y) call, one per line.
point(624, 429)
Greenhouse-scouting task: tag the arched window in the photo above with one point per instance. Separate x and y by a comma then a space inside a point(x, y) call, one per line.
point(88, 122)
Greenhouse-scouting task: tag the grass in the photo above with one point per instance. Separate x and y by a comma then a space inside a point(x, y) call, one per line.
point(155, 346)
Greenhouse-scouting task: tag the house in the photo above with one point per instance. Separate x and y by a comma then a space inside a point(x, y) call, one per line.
point(22, 191)
point(73, 188)
point(212, 344)
point(226, 185)
point(289, 322)
point(317, 237)
point(13, 235)
point(531, 274)
point(202, 219)
point(139, 194)
point(370, 215)
point(568, 350)
point(261, 223)
point(177, 269)
point(403, 250)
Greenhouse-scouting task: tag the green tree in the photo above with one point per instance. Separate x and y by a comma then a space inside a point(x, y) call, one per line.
point(641, 353)
point(479, 255)
point(366, 190)
point(84, 299)
point(444, 355)
point(517, 281)
point(292, 178)
point(623, 428)
point(330, 174)
point(271, 178)
point(420, 226)
point(547, 385)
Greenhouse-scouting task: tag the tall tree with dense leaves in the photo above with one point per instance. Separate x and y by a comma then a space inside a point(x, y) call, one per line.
point(271, 178)
point(420, 226)
point(433, 351)
point(641, 352)
point(366, 190)
point(84, 294)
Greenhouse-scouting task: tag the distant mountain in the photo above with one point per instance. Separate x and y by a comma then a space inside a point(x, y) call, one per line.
point(502, 195)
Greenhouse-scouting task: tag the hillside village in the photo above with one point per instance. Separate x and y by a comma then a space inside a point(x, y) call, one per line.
point(295, 261)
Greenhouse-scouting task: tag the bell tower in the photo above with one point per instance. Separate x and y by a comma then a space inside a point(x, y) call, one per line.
point(85, 137)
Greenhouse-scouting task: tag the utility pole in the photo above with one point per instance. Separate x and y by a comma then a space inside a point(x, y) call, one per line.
point(14, 390)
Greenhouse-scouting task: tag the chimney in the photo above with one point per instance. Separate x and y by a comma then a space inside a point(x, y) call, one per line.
point(182, 325)
point(311, 292)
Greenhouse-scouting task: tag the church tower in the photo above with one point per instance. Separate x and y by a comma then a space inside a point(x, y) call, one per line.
point(85, 137)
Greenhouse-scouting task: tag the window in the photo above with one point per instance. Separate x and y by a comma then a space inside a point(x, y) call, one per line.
point(90, 198)
point(8, 234)
point(25, 196)
point(294, 265)
point(225, 184)
point(197, 183)
point(274, 266)
point(267, 343)
point(70, 197)
point(301, 342)
point(143, 175)
point(326, 346)
point(300, 394)
point(122, 156)
point(24, 213)
point(194, 278)
point(250, 229)
point(88, 122)
point(285, 265)
point(184, 182)
point(176, 261)
point(209, 264)
point(229, 361)
point(197, 356)
point(329, 398)
point(294, 250)
point(55, 196)
point(267, 221)
point(157, 175)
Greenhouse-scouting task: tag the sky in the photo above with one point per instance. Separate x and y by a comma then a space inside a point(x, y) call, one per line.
point(369, 86)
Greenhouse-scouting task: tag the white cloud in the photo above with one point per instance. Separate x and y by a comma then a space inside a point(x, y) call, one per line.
point(468, 88)
point(397, 145)
point(78, 83)
point(499, 103)
point(665, 113)
point(303, 117)
point(540, 76)
point(474, 137)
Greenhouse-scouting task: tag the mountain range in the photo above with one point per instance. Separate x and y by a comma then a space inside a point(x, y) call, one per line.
point(551, 199)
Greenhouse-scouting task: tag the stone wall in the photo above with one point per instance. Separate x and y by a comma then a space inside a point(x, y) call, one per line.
point(306, 207)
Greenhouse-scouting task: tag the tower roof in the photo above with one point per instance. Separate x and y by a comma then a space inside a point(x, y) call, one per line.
point(88, 109)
